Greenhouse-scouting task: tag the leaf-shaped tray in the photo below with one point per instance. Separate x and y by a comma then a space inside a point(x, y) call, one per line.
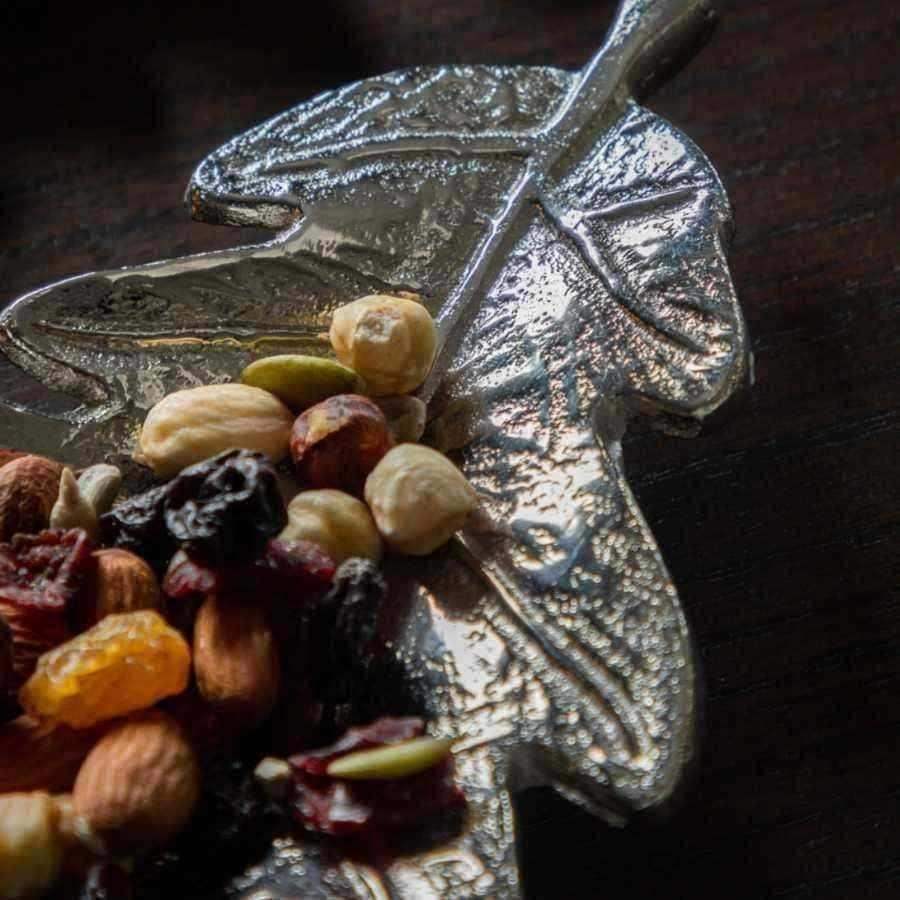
point(570, 244)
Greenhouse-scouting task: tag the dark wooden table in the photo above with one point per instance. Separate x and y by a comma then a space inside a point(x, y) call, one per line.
point(780, 523)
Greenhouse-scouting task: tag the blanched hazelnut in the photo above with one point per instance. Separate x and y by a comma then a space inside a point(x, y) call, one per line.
point(418, 499)
point(336, 443)
point(390, 341)
point(31, 846)
point(340, 524)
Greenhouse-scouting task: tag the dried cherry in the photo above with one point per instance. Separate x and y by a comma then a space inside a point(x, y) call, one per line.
point(41, 578)
point(337, 807)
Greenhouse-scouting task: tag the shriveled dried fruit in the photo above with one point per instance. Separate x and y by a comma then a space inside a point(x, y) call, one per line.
point(139, 785)
point(342, 807)
point(390, 341)
point(189, 426)
point(29, 487)
point(124, 663)
point(39, 754)
point(300, 381)
point(221, 510)
point(42, 578)
point(336, 443)
point(418, 499)
point(31, 847)
point(337, 522)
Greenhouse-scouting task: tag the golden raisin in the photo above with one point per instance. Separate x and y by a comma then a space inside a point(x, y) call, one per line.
point(124, 663)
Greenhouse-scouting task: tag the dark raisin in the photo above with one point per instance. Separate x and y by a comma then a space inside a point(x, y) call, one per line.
point(334, 806)
point(220, 511)
point(41, 579)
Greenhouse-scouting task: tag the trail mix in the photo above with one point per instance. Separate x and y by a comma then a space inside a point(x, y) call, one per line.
point(142, 638)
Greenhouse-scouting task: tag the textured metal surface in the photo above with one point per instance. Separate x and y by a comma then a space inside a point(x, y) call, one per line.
point(570, 244)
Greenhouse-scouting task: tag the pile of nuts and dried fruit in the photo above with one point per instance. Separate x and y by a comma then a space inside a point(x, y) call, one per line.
point(142, 637)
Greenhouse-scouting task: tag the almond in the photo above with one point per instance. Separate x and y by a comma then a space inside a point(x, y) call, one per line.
point(29, 487)
point(37, 754)
point(123, 582)
point(235, 659)
point(139, 785)
point(7, 455)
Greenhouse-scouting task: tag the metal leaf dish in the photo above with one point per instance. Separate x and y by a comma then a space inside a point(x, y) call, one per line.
point(570, 245)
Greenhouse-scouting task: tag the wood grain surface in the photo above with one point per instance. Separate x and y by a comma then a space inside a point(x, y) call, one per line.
point(780, 522)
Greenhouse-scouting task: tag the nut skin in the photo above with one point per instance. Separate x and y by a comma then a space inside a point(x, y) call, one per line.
point(302, 381)
point(139, 785)
point(340, 524)
point(390, 341)
point(336, 443)
point(418, 499)
point(123, 582)
point(192, 425)
point(29, 486)
point(31, 846)
point(235, 658)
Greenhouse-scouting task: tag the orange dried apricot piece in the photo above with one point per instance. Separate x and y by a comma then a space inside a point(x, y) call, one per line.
point(124, 663)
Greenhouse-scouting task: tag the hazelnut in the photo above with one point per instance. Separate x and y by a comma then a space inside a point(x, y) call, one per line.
point(336, 443)
point(340, 524)
point(31, 847)
point(390, 341)
point(418, 499)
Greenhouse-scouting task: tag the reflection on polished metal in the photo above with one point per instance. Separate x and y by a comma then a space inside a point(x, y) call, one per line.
point(570, 245)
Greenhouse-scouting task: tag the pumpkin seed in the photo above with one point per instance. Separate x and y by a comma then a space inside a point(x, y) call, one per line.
point(302, 381)
point(391, 761)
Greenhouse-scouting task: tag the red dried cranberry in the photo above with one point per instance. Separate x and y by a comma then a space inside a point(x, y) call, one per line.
point(188, 577)
point(41, 577)
point(300, 569)
point(338, 807)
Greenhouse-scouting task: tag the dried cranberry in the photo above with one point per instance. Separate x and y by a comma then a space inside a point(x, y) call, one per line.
point(299, 569)
point(220, 511)
point(334, 806)
point(41, 577)
point(187, 577)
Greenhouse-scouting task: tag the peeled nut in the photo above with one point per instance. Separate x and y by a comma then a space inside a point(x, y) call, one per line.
point(390, 341)
point(418, 498)
point(29, 486)
point(336, 443)
point(71, 509)
point(139, 785)
point(340, 524)
point(31, 846)
point(405, 416)
point(300, 381)
point(100, 485)
point(123, 582)
point(192, 425)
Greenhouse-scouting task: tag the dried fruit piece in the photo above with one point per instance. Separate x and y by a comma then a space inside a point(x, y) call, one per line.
point(6, 658)
point(31, 847)
point(189, 426)
point(337, 522)
point(71, 510)
point(42, 578)
point(139, 785)
point(222, 509)
point(38, 754)
point(123, 582)
point(390, 341)
point(391, 761)
point(300, 381)
point(418, 499)
point(29, 487)
point(235, 658)
point(126, 662)
point(336, 443)
point(342, 807)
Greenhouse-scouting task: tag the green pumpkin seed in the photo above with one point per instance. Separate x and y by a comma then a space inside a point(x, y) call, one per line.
point(302, 381)
point(391, 761)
